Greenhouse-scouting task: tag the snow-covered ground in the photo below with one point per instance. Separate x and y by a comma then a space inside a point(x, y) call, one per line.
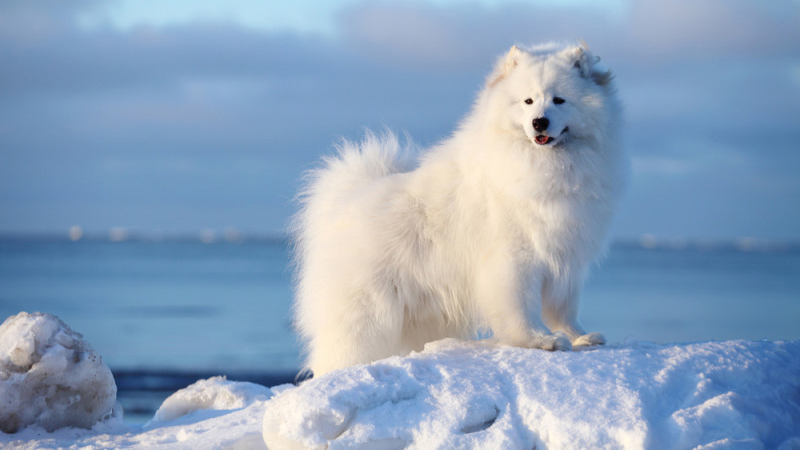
point(469, 395)
point(455, 394)
point(211, 414)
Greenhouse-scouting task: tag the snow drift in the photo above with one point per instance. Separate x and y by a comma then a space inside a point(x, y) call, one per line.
point(50, 376)
point(454, 394)
point(213, 394)
point(210, 414)
point(458, 394)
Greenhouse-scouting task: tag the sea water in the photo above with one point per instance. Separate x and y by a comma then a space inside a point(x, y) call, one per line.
point(165, 313)
point(193, 306)
point(160, 305)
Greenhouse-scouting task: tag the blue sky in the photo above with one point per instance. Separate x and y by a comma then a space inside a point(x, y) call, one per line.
point(178, 116)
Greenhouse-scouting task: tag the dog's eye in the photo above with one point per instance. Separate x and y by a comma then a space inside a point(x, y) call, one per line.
point(528, 101)
point(558, 100)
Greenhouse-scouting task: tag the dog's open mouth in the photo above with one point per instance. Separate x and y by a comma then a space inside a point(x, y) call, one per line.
point(546, 140)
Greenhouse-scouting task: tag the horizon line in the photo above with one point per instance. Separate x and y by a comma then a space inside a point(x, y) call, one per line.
point(232, 236)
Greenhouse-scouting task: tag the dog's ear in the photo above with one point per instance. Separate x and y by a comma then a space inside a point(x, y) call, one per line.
point(590, 67)
point(504, 66)
point(583, 62)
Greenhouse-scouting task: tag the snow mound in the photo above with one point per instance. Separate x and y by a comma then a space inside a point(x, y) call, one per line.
point(210, 414)
point(458, 394)
point(50, 376)
point(216, 393)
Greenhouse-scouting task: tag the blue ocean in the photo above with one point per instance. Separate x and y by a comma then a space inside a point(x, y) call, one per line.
point(164, 313)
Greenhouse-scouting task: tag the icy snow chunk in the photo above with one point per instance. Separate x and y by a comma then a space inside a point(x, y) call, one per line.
point(216, 393)
point(50, 376)
point(478, 395)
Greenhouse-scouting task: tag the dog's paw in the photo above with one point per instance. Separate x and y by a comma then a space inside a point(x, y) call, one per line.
point(589, 340)
point(554, 342)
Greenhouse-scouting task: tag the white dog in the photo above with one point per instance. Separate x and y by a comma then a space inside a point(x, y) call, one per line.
point(494, 228)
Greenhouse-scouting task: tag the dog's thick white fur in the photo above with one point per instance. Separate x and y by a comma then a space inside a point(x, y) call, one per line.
point(494, 228)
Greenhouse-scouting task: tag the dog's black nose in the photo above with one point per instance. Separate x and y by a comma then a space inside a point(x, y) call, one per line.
point(541, 123)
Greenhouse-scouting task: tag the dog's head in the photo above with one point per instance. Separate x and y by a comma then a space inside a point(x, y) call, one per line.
point(551, 94)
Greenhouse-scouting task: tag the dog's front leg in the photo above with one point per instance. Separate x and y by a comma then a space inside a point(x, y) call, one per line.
point(512, 305)
point(560, 312)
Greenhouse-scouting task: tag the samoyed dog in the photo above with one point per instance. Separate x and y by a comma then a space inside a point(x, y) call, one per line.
point(492, 229)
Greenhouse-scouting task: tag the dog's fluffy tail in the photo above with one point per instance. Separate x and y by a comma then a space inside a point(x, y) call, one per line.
point(354, 166)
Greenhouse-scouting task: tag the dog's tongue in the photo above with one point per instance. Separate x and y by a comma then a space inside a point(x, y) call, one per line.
point(541, 139)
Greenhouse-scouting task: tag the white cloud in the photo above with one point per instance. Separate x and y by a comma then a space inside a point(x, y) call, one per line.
point(646, 33)
point(684, 29)
point(403, 33)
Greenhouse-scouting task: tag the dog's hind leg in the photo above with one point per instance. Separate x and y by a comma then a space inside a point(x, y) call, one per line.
point(357, 334)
